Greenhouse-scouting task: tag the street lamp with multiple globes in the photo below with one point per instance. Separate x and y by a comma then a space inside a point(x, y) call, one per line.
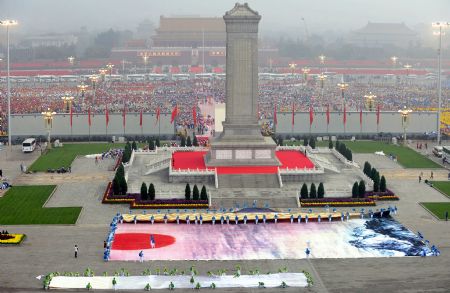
point(71, 60)
point(405, 119)
point(305, 71)
point(322, 78)
point(322, 60)
point(110, 67)
point(145, 57)
point(93, 79)
point(370, 97)
point(48, 120)
point(394, 61)
point(82, 88)
point(441, 25)
point(292, 66)
point(68, 100)
point(7, 23)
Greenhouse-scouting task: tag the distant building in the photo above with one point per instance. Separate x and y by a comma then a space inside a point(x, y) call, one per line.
point(55, 40)
point(190, 32)
point(380, 34)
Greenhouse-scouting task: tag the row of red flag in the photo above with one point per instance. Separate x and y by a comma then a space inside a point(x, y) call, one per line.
point(311, 115)
point(175, 113)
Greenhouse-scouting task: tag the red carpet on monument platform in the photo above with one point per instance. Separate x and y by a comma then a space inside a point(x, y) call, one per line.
point(195, 160)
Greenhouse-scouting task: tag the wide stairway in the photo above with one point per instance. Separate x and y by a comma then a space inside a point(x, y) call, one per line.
point(248, 181)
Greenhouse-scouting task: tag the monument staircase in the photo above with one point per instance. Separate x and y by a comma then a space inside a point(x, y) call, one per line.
point(157, 164)
point(248, 181)
point(323, 162)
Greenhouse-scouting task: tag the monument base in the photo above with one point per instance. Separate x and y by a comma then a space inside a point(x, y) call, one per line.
point(242, 153)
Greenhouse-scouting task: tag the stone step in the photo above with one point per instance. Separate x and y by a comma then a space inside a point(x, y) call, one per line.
point(248, 181)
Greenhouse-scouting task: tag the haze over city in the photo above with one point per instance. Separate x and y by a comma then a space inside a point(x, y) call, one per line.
point(49, 16)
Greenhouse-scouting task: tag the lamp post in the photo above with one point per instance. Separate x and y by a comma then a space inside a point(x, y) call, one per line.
point(305, 71)
point(292, 66)
point(322, 78)
point(322, 60)
point(407, 66)
point(82, 88)
point(394, 61)
point(441, 25)
point(67, 102)
point(370, 97)
point(48, 120)
point(93, 79)
point(7, 23)
point(405, 118)
point(103, 72)
point(110, 67)
point(71, 60)
point(145, 57)
point(343, 86)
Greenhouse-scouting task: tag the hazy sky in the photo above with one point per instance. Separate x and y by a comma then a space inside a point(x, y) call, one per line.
point(45, 16)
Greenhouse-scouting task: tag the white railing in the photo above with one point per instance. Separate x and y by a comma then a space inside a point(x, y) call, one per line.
point(184, 149)
point(315, 170)
point(289, 148)
point(279, 177)
point(157, 166)
point(344, 159)
point(216, 182)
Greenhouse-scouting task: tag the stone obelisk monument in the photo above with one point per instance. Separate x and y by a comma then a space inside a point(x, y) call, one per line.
point(241, 142)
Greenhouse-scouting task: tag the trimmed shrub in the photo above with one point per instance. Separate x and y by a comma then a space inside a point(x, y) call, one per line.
point(195, 141)
point(183, 141)
point(320, 191)
point(157, 142)
point(312, 142)
point(367, 168)
point(187, 192)
point(151, 144)
point(188, 141)
point(195, 193)
point(203, 193)
point(376, 182)
point(355, 190)
point(123, 185)
point(280, 140)
point(313, 191)
point(330, 144)
point(304, 191)
point(144, 193)
point(305, 141)
point(151, 192)
point(361, 188)
point(116, 185)
point(134, 145)
point(383, 184)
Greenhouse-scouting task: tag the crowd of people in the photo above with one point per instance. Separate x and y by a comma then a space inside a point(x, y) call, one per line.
point(149, 96)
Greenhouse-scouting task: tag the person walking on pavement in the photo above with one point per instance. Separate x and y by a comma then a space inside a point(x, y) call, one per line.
point(420, 178)
point(76, 251)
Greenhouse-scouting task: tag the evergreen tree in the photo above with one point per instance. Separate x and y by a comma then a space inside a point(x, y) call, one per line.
point(280, 140)
point(313, 191)
point(157, 142)
point(383, 184)
point(188, 141)
point(203, 194)
point(355, 190)
point(134, 145)
point(120, 171)
point(361, 188)
point(338, 145)
point(367, 168)
point(305, 141)
point(304, 191)
point(195, 193)
point(349, 154)
point(330, 144)
point(183, 141)
point(376, 182)
point(320, 191)
point(372, 173)
point(116, 185)
point(123, 185)
point(312, 142)
point(151, 144)
point(187, 192)
point(151, 192)
point(144, 194)
point(195, 141)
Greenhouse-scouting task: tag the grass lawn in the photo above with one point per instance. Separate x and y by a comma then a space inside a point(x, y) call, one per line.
point(64, 156)
point(22, 205)
point(407, 157)
point(442, 186)
point(437, 208)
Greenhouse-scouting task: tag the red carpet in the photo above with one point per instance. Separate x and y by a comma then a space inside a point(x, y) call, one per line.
point(288, 159)
point(137, 241)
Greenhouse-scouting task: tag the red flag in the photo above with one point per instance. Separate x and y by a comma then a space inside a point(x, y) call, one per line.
point(360, 116)
point(140, 119)
point(345, 114)
point(293, 115)
point(275, 121)
point(89, 117)
point(124, 115)
point(107, 115)
point(311, 115)
point(378, 114)
point(71, 116)
point(158, 113)
point(328, 114)
point(174, 114)
point(194, 114)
